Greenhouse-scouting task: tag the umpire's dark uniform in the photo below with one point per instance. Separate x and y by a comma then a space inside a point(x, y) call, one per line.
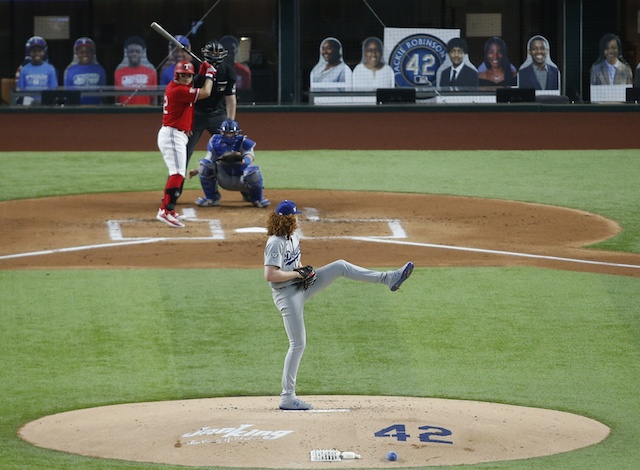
point(212, 111)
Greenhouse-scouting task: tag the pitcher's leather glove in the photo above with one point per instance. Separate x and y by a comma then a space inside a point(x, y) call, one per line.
point(309, 276)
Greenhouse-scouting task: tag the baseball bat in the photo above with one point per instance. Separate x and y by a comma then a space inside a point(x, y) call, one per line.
point(165, 34)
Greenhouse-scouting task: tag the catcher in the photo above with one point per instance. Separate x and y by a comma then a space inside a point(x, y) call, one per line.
point(292, 284)
point(229, 163)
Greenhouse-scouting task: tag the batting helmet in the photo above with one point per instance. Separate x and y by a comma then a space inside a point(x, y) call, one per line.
point(214, 52)
point(184, 66)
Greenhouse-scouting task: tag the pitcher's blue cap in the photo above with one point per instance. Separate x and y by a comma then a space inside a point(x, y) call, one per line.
point(287, 207)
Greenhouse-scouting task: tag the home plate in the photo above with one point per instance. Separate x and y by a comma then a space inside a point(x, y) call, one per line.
point(251, 230)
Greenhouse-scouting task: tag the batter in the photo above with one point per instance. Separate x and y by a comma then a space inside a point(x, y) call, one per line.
point(281, 257)
point(173, 136)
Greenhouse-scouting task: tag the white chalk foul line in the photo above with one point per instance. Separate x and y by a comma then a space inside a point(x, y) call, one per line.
point(364, 239)
point(80, 248)
point(494, 252)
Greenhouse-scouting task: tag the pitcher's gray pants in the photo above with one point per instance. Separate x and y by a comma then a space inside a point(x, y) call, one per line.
point(290, 301)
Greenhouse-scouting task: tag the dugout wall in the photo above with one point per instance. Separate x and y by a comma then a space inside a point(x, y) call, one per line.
point(499, 127)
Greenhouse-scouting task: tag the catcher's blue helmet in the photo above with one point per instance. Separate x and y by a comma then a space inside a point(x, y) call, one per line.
point(230, 126)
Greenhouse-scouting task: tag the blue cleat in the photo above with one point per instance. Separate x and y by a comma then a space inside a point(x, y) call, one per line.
point(204, 202)
point(293, 403)
point(402, 274)
point(261, 203)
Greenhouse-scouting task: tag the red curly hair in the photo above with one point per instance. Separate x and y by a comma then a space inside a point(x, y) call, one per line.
point(281, 225)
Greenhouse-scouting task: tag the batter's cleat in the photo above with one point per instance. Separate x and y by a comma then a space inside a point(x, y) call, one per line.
point(180, 217)
point(204, 202)
point(294, 404)
point(168, 218)
point(261, 203)
point(402, 275)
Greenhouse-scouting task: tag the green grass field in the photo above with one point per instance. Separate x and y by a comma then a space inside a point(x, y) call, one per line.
point(551, 339)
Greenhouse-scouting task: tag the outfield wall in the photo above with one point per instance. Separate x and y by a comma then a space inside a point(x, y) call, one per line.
point(525, 127)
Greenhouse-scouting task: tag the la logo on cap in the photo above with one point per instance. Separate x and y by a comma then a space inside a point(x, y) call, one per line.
point(287, 207)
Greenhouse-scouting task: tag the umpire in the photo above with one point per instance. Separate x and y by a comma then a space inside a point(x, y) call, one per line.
point(211, 112)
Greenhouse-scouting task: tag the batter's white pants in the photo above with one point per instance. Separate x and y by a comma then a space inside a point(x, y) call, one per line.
point(290, 301)
point(173, 146)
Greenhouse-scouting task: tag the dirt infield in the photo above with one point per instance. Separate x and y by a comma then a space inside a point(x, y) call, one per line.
point(374, 229)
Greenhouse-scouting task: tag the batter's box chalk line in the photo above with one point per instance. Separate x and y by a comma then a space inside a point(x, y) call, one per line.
point(312, 214)
point(215, 228)
point(115, 227)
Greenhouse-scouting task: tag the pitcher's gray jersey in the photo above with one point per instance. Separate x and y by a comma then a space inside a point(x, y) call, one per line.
point(284, 253)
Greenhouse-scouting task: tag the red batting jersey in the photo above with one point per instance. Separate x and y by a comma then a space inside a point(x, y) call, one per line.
point(177, 110)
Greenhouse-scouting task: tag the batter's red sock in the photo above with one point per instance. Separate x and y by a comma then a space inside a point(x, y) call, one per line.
point(165, 201)
point(172, 192)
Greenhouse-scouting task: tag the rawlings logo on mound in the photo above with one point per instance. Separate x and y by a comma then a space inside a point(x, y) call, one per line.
point(232, 434)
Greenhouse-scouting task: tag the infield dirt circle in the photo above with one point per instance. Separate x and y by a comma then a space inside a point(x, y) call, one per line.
point(373, 229)
point(252, 432)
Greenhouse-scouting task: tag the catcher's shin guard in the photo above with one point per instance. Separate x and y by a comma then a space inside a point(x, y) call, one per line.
point(210, 187)
point(253, 182)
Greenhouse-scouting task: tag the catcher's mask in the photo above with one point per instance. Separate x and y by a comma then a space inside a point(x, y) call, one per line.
point(229, 130)
point(214, 52)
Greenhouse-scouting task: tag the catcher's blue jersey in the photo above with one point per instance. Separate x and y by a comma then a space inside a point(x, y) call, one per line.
point(218, 146)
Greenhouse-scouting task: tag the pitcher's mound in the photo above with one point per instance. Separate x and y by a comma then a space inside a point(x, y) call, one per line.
point(253, 432)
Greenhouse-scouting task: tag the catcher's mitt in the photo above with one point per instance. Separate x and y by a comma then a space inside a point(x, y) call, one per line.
point(308, 276)
point(230, 158)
